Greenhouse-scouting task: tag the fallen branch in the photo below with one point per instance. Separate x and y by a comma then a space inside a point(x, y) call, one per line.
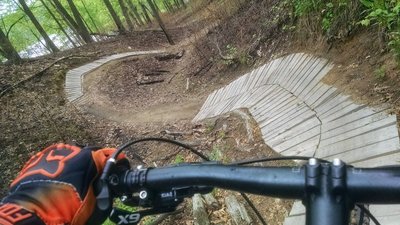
point(205, 68)
point(170, 56)
point(149, 82)
point(170, 79)
point(156, 73)
point(177, 133)
point(14, 86)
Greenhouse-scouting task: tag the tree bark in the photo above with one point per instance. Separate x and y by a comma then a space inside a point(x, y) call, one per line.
point(83, 30)
point(126, 14)
point(58, 23)
point(160, 22)
point(90, 16)
point(36, 23)
point(146, 15)
point(7, 49)
point(115, 17)
point(135, 12)
point(183, 3)
point(166, 5)
point(70, 21)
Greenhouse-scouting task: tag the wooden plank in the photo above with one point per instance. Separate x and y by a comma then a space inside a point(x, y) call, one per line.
point(268, 97)
point(298, 72)
point(307, 148)
point(363, 116)
point(308, 78)
point(299, 76)
point(248, 82)
point(350, 109)
point(340, 135)
point(228, 106)
point(211, 97)
point(229, 91)
point(243, 101)
point(384, 210)
point(295, 220)
point(270, 73)
point(283, 107)
point(270, 106)
point(278, 72)
point(331, 104)
point(221, 94)
point(389, 220)
point(291, 147)
point(257, 76)
point(260, 94)
point(297, 209)
point(290, 62)
point(342, 108)
point(316, 80)
point(286, 132)
point(363, 141)
point(383, 160)
point(265, 73)
point(287, 118)
point(376, 150)
point(290, 119)
point(239, 85)
point(216, 97)
point(325, 94)
point(292, 70)
point(272, 98)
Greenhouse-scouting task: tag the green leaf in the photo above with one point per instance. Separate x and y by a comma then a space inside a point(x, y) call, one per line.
point(365, 22)
point(367, 3)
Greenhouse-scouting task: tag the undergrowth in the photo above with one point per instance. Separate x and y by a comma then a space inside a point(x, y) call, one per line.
point(337, 19)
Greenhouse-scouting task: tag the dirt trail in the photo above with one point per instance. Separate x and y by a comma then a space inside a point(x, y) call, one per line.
point(112, 91)
point(158, 113)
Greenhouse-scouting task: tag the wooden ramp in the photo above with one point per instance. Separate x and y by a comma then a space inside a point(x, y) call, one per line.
point(299, 115)
point(74, 77)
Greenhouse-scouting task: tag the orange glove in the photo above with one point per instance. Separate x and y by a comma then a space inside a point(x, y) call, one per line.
point(56, 187)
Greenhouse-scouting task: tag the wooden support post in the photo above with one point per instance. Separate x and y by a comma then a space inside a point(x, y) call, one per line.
point(160, 22)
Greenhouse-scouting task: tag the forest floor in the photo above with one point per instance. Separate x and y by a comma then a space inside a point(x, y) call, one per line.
point(36, 113)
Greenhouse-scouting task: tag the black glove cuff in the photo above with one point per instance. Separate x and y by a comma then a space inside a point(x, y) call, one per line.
point(12, 214)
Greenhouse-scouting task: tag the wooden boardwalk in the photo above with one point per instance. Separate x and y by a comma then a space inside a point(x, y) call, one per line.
point(74, 77)
point(299, 115)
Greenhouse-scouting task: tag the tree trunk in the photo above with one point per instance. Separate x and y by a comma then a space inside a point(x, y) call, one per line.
point(90, 16)
point(126, 14)
point(115, 17)
point(146, 15)
point(183, 3)
point(83, 30)
point(58, 23)
point(70, 21)
point(135, 12)
point(7, 49)
point(160, 22)
point(35, 22)
point(167, 6)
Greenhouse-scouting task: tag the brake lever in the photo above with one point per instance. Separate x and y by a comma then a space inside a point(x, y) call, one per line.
point(162, 202)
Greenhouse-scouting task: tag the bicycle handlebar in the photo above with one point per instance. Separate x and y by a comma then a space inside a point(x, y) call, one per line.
point(329, 191)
